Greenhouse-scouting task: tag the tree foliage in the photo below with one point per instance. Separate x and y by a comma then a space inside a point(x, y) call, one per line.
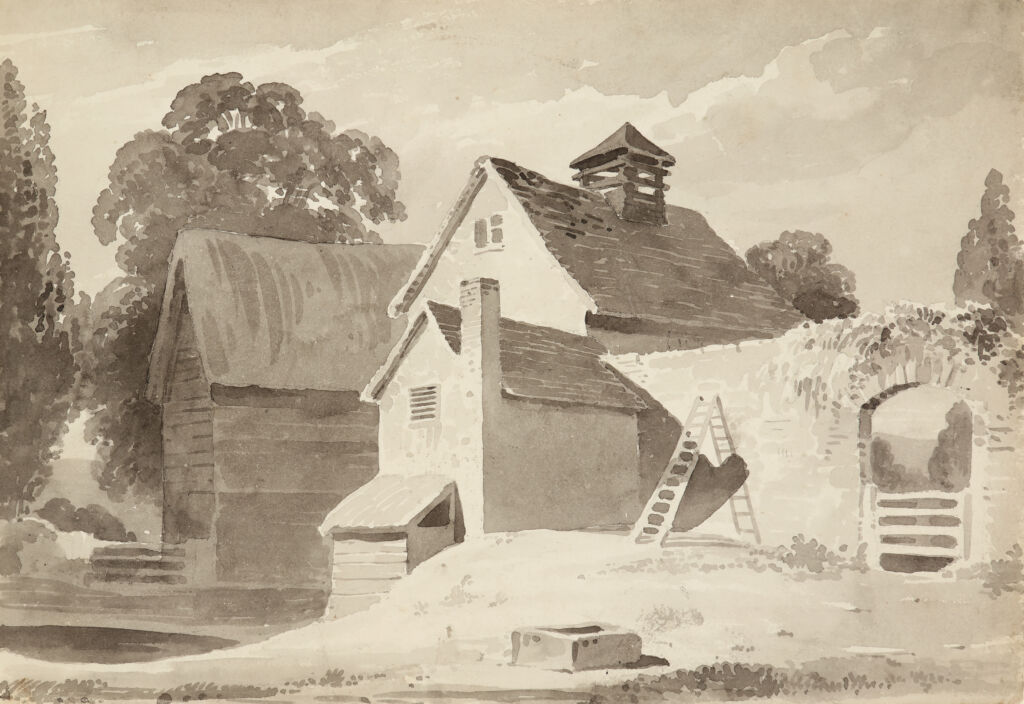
point(886, 472)
point(797, 265)
point(990, 265)
point(837, 362)
point(37, 361)
point(231, 156)
point(949, 467)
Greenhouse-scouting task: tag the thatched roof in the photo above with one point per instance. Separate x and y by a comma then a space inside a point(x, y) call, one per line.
point(280, 314)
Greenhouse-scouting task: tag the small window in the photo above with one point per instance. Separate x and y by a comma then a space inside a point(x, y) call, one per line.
point(487, 233)
point(423, 403)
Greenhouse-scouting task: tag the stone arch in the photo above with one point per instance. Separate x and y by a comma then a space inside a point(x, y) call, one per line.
point(918, 523)
point(932, 371)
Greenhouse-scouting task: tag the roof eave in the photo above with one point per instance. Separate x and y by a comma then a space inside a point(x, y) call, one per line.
point(636, 406)
point(405, 297)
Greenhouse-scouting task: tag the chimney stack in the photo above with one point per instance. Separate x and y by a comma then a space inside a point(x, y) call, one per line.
point(629, 170)
point(479, 302)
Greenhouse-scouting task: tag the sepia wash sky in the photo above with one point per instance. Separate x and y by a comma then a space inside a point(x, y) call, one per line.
point(873, 123)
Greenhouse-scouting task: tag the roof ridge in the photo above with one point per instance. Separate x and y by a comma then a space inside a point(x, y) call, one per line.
point(197, 232)
point(522, 323)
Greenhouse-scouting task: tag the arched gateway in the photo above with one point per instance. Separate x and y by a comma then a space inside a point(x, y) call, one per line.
point(916, 455)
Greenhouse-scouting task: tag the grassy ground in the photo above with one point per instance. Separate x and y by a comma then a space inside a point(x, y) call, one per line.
point(723, 622)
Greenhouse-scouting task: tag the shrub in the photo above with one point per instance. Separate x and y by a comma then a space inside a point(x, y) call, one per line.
point(1000, 576)
point(733, 680)
point(28, 546)
point(811, 556)
point(92, 519)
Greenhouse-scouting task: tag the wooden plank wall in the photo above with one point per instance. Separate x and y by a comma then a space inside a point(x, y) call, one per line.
point(189, 501)
point(364, 570)
point(284, 461)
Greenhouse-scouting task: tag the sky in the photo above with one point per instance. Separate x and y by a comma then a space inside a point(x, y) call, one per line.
point(873, 123)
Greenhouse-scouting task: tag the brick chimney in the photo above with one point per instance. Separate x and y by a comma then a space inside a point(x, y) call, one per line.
point(479, 301)
point(481, 313)
point(629, 170)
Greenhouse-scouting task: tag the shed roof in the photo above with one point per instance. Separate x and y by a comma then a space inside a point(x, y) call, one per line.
point(539, 363)
point(282, 314)
point(387, 502)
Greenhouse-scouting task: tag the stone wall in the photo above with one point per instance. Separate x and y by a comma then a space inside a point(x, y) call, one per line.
point(804, 457)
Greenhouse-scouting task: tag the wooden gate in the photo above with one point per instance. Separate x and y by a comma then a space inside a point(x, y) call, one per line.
point(921, 531)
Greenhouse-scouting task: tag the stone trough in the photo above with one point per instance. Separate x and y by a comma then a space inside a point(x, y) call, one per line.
point(589, 646)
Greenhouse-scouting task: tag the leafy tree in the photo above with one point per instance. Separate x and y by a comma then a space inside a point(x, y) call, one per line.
point(231, 156)
point(37, 363)
point(886, 473)
point(949, 467)
point(797, 266)
point(990, 265)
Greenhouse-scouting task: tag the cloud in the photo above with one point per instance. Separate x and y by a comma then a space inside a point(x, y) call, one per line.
point(830, 104)
point(266, 63)
point(12, 39)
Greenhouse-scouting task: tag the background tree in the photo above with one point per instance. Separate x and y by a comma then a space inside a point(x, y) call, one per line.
point(37, 363)
point(232, 156)
point(949, 466)
point(797, 266)
point(990, 265)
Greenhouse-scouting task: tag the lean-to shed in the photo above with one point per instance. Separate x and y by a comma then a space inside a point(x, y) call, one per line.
point(383, 530)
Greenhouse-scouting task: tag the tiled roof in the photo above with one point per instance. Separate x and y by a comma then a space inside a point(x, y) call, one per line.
point(681, 274)
point(546, 364)
point(625, 139)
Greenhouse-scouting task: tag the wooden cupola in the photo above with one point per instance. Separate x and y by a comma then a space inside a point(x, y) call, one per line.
point(629, 170)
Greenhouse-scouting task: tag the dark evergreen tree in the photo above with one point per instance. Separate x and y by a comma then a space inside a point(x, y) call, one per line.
point(990, 265)
point(37, 362)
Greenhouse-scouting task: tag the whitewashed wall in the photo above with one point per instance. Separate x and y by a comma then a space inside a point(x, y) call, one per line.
point(534, 287)
point(805, 463)
point(450, 445)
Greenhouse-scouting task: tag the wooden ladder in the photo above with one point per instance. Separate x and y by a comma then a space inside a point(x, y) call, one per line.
point(740, 505)
point(706, 416)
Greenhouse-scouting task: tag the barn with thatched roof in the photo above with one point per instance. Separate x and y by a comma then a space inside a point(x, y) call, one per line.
point(262, 349)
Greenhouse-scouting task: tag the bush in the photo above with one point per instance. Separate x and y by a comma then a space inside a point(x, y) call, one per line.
point(812, 556)
point(28, 546)
point(1001, 576)
point(730, 681)
point(92, 519)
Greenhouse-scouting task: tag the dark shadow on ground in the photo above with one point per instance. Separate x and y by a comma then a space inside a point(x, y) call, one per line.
point(103, 645)
point(646, 661)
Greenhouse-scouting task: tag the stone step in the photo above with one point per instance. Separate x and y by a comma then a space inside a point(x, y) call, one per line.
point(140, 551)
point(100, 564)
point(134, 577)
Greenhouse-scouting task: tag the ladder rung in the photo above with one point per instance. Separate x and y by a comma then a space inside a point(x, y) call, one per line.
point(706, 422)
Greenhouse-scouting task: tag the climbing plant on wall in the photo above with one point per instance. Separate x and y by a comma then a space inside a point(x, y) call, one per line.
point(838, 362)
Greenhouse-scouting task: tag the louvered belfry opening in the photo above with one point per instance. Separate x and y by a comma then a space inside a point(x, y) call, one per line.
point(629, 170)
